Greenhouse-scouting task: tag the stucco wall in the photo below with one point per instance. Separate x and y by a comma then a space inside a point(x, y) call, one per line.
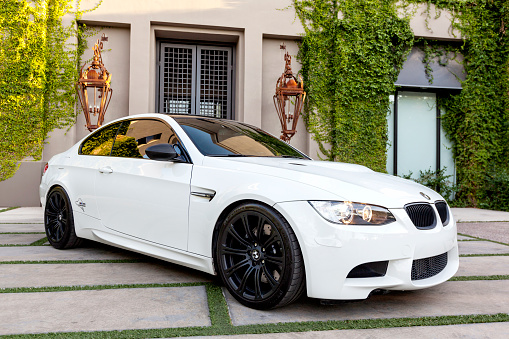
point(256, 28)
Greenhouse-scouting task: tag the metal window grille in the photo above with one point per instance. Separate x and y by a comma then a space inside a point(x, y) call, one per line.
point(196, 80)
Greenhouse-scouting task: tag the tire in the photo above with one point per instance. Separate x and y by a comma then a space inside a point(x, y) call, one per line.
point(59, 220)
point(258, 257)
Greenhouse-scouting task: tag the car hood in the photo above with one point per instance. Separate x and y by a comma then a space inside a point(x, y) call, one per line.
point(347, 181)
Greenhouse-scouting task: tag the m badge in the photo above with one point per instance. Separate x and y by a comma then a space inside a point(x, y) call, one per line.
point(81, 204)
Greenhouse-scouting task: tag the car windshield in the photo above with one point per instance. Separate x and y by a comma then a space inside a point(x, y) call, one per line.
point(226, 138)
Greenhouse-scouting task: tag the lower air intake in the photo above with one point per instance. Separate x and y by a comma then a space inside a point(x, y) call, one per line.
point(428, 267)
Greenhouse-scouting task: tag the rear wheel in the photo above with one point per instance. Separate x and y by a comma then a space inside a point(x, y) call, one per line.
point(59, 220)
point(258, 257)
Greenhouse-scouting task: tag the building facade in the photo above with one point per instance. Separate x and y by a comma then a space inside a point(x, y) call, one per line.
point(222, 58)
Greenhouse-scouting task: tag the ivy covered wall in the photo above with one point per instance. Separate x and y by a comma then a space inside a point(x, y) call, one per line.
point(351, 53)
point(37, 76)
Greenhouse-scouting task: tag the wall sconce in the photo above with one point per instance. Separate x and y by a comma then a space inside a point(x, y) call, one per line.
point(289, 99)
point(93, 87)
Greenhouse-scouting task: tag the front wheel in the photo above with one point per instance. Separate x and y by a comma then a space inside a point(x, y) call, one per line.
point(258, 257)
point(59, 220)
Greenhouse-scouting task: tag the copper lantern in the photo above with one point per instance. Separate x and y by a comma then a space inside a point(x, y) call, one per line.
point(93, 87)
point(289, 99)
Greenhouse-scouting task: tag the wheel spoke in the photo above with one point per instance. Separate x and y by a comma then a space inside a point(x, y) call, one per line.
point(232, 251)
point(259, 228)
point(245, 224)
point(270, 278)
point(58, 233)
point(244, 280)
point(274, 259)
point(272, 239)
point(231, 270)
point(51, 213)
point(52, 204)
point(238, 237)
point(257, 281)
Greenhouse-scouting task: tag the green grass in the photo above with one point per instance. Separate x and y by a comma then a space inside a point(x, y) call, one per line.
point(1, 233)
point(8, 209)
point(112, 261)
point(39, 242)
point(482, 239)
point(480, 277)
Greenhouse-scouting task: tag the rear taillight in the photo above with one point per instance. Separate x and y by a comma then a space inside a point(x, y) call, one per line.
point(45, 169)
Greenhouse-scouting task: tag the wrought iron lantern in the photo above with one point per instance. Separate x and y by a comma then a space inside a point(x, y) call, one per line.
point(93, 87)
point(289, 99)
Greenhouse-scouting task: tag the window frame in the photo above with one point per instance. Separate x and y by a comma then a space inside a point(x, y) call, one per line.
point(197, 46)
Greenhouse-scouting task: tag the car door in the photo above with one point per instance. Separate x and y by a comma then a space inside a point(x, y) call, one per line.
point(140, 197)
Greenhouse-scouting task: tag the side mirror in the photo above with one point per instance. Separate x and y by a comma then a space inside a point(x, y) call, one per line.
point(162, 152)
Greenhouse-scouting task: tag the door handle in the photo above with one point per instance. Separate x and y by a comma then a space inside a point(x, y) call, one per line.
point(106, 170)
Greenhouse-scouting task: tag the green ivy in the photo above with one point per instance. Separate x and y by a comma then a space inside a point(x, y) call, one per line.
point(351, 55)
point(38, 70)
point(477, 119)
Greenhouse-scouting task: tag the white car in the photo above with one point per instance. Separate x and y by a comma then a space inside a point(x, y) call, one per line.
point(227, 198)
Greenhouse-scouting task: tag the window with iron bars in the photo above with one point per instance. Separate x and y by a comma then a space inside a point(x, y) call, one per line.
point(196, 79)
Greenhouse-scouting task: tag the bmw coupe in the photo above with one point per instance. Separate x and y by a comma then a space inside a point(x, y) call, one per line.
point(231, 200)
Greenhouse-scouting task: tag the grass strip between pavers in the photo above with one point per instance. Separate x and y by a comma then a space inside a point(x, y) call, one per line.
point(484, 255)
point(39, 242)
point(98, 261)
point(94, 287)
point(2, 233)
point(480, 277)
point(280, 327)
point(483, 239)
point(8, 209)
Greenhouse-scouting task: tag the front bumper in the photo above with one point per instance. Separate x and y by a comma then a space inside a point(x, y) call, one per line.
point(331, 251)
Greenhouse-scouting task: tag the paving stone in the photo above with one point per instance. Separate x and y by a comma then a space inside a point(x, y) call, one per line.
point(477, 214)
point(496, 231)
point(449, 298)
point(9, 228)
point(43, 275)
point(471, 331)
point(19, 239)
point(39, 253)
point(103, 310)
point(475, 266)
point(481, 247)
point(23, 215)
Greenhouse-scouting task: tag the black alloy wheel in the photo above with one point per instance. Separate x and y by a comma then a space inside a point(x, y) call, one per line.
point(59, 220)
point(258, 257)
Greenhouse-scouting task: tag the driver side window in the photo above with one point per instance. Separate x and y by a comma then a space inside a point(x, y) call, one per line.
point(135, 136)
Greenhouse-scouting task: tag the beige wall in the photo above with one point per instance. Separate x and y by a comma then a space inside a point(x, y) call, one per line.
point(256, 28)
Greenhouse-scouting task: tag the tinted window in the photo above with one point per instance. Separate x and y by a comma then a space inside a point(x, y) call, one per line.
point(135, 136)
point(215, 137)
point(100, 142)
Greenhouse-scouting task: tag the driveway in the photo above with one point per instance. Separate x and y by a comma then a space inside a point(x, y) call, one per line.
point(101, 291)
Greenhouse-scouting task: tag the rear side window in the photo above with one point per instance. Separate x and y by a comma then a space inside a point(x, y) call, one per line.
point(100, 142)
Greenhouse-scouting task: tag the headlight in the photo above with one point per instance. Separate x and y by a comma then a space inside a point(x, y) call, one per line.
point(353, 213)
